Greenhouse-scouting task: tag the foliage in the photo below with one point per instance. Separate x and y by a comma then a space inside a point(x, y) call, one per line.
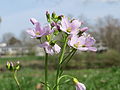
point(104, 79)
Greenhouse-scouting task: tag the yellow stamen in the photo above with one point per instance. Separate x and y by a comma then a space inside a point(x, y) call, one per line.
point(77, 44)
point(69, 29)
point(37, 33)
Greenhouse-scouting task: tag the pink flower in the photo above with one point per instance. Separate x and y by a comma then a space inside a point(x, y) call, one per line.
point(79, 86)
point(50, 49)
point(82, 43)
point(70, 27)
point(38, 31)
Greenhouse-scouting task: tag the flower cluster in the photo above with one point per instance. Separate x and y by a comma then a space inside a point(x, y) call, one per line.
point(60, 33)
point(13, 66)
point(77, 38)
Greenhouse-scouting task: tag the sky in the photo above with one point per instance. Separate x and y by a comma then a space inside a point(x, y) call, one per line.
point(15, 14)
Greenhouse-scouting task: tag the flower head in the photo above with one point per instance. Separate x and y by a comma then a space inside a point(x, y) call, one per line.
point(70, 27)
point(13, 66)
point(38, 31)
point(83, 43)
point(50, 49)
point(79, 86)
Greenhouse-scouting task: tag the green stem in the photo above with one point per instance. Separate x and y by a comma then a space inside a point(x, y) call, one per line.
point(70, 56)
point(68, 60)
point(67, 56)
point(46, 68)
point(16, 80)
point(59, 64)
point(46, 71)
point(61, 78)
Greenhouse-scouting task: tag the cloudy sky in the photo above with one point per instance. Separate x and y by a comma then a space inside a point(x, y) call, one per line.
point(15, 14)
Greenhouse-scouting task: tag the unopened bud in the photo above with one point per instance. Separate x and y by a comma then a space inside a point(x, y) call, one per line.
point(48, 16)
point(84, 29)
point(54, 15)
point(52, 43)
point(53, 24)
point(60, 17)
point(33, 21)
point(75, 80)
point(13, 66)
point(8, 65)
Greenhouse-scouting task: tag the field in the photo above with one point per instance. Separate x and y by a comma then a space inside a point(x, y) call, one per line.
point(94, 79)
point(32, 72)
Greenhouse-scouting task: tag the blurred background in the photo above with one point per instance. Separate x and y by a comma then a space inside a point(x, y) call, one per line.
point(100, 70)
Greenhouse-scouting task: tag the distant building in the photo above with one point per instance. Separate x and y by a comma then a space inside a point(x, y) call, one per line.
point(101, 47)
point(19, 50)
point(13, 50)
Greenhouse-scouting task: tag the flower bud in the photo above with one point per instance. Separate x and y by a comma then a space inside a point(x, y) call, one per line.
point(53, 24)
point(33, 21)
point(79, 86)
point(60, 17)
point(48, 16)
point(52, 43)
point(12, 67)
point(84, 29)
point(9, 66)
point(54, 15)
point(17, 67)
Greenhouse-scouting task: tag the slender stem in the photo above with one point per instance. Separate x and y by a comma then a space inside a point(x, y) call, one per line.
point(16, 80)
point(46, 71)
point(67, 56)
point(67, 61)
point(59, 64)
point(63, 51)
point(70, 56)
point(61, 78)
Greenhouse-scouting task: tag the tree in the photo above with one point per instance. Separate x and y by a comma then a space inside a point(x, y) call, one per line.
point(109, 31)
point(7, 36)
point(14, 41)
point(26, 40)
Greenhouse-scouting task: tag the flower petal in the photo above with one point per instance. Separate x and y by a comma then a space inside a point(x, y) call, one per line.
point(64, 24)
point(49, 50)
point(56, 48)
point(90, 41)
point(84, 29)
point(92, 49)
point(31, 32)
point(43, 45)
point(75, 24)
point(80, 86)
point(33, 21)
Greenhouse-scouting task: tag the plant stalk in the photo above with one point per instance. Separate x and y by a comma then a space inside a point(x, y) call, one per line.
point(16, 80)
point(46, 71)
point(59, 64)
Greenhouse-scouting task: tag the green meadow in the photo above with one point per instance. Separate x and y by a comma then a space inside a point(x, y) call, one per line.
point(94, 79)
point(96, 71)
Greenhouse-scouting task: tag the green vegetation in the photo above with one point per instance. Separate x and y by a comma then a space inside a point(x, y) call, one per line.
point(94, 79)
point(106, 78)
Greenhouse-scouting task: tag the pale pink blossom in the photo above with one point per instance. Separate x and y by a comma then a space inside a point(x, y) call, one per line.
point(79, 86)
point(38, 31)
point(70, 27)
point(50, 49)
point(82, 43)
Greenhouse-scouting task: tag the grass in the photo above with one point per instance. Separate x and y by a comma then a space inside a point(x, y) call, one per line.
point(94, 79)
